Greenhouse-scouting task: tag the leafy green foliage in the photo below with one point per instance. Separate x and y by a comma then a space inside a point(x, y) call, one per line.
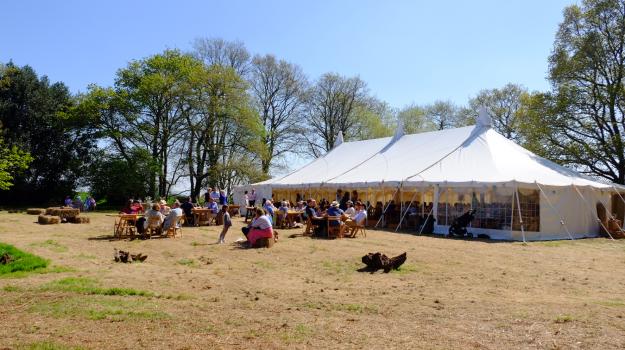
point(40, 118)
point(12, 160)
point(22, 261)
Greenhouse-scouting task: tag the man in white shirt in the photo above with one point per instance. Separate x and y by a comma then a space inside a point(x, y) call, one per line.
point(358, 220)
point(252, 198)
point(350, 211)
point(172, 218)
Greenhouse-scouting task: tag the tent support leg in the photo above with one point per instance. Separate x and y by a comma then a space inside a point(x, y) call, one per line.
point(590, 208)
point(556, 211)
point(385, 209)
point(518, 205)
point(406, 212)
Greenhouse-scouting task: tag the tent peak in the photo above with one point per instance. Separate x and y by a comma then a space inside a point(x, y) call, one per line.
point(483, 118)
point(399, 132)
point(339, 139)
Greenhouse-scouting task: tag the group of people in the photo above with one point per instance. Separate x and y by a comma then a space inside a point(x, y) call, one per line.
point(352, 217)
point(89, 204)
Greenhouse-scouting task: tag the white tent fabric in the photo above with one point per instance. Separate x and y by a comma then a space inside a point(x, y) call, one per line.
point(465, 157)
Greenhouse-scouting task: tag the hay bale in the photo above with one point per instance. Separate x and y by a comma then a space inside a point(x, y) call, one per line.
point(49, 219)
point(35, 211)
point(79, 220)
point(264, 243)
point(63, 212)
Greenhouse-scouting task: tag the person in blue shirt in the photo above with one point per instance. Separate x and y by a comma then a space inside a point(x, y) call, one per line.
point(334, 210)
point(212, 206)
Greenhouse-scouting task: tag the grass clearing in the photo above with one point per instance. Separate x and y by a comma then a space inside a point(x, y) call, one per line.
point(305, 293)
point(21, 261)
point(48, 345)
point(84, 285)
point(96, 308)
point(52, 245)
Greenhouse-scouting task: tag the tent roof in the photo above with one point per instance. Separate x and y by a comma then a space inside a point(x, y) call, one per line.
point(462, 156)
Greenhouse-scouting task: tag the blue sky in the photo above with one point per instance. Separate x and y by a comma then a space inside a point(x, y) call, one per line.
point(407, 51)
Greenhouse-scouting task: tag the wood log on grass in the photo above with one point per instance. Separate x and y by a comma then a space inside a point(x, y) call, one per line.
point(49, 219)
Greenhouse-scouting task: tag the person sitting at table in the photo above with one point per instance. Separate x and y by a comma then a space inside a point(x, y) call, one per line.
point(334, 210)
point(350, 211)
point(316, 219)
point(212, 206)
point(136, 207)
point(271, 210)
point(165, 209)
point(187, 207)
point(155, 211)
point(357, 220)
point(281, 213)
point(128, 208)
point(173, 216)
point(259, 228)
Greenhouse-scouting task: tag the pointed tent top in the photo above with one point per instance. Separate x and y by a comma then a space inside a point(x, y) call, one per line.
point(339, 139)
point(399, 132)
point(483, 118)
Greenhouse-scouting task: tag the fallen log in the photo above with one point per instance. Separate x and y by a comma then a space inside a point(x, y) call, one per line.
point(378, 261)
point(126, 257)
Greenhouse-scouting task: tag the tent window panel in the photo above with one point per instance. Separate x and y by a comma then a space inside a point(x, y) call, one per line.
point(443, 204)
point(529, 201)
point(493, 208)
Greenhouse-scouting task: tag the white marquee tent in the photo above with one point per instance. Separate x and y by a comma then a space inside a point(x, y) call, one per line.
point(454, 170)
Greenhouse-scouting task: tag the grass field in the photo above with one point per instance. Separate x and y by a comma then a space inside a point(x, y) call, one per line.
point(305, 293)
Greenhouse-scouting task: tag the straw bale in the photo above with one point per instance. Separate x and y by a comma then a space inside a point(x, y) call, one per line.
point(49, 219)
point(35, 211)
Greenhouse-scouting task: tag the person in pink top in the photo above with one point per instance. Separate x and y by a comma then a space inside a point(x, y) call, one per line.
point(259, 228)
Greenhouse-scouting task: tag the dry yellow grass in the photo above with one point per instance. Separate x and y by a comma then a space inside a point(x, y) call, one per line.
point(305, 293)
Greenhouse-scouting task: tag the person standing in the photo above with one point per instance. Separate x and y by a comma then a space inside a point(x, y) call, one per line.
point(227, 223)
point(252, 198)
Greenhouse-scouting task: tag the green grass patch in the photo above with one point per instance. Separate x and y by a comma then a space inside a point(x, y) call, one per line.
point(95, 308)
point(22, 261)
point(51, 269)
point(340, 267)
point(298, 334)
point(52, 245)
point(11, 288)
point(612, 302)
point(83, 285)
point(187, 262)
point(564, 319)
point(406, 269)
point(46, 345)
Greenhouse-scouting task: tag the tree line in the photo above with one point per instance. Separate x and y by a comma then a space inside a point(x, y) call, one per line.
point(220, 116)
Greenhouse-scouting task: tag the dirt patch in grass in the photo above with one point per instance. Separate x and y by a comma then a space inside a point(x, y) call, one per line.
point(308, 293)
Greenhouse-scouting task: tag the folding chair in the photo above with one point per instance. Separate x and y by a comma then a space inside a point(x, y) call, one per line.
point(334, 227)
point(176, 227)
point(154, 226)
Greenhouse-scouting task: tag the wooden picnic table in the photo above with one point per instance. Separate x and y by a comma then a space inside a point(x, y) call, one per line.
point(291, 215)
point(125, 225)
point(202, 215)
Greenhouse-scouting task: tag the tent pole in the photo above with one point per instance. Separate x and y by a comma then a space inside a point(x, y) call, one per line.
point(589, 207)
point(512, 217)
point(555, 210)
point(425, 220)
point(518, 205)
point(385, 209)
point(406, 212)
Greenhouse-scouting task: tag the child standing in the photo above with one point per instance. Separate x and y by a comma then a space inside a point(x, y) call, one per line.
point(227, 223)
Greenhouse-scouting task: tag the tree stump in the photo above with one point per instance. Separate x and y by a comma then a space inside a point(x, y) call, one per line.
point(378, 261)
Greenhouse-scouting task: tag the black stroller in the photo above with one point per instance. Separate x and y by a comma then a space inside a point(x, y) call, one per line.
point(458, 227)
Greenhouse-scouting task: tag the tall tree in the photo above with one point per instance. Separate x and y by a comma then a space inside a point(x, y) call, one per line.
point(331, 109)
point(584, 115)
point(40, 118)
point(278, 89)
point(444, 115)
point(219, 52)
point(147, 110)
point(504, 105)
point(12, 160)
point(415, 119)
